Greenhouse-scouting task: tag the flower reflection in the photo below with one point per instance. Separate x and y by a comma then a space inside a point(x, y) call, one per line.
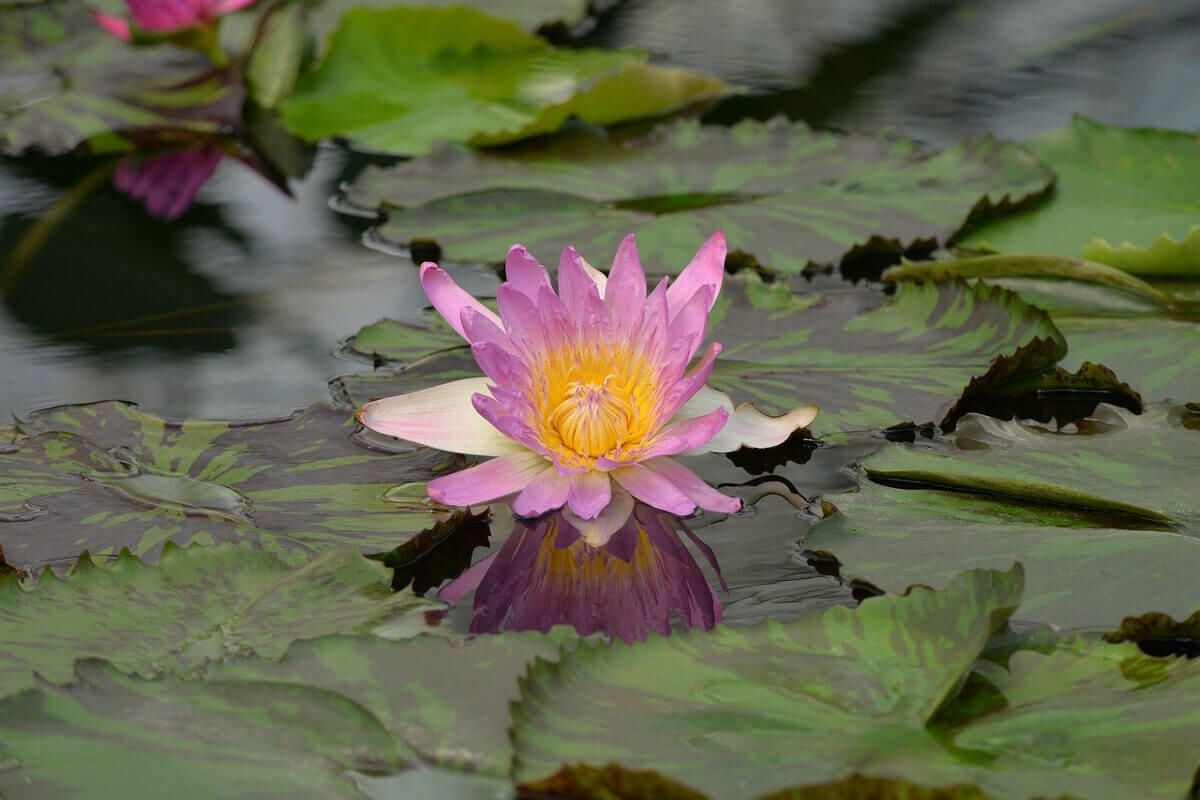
point(168, 183)
point(162, 16)
point(548, 574)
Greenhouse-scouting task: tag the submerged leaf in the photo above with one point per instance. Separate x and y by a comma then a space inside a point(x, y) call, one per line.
point(786, 196)
point(128, 737)
point(1128, 185)
point(68, 83)
point(398, 79)
point(109, 476)
point(194, 606)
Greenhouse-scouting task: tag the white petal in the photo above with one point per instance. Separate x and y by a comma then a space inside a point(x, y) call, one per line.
point(747, 426)
point(442, 417)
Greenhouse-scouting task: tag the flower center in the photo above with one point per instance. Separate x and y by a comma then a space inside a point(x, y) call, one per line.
point(593, 418)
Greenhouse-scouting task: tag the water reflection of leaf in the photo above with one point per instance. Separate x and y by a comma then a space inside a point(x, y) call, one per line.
point(438, 553)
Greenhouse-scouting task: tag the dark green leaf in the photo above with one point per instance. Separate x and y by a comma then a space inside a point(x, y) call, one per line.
point(107, 476)
point(398, 79)
point(194, 606)
point(68, 83)
point(785, 195)
point(612, 782)
point(439, 553)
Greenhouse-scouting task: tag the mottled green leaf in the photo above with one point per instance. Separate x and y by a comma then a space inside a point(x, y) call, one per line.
point(194, 606)
point(109, 735)
point(68, 83)
point(273, 64)
point(1104, 518)
point(447, 700)
point(786, 195)
point(866, 359)
point(738, 712)
point(397, 80)
point(107, 476)
point(1119, 185)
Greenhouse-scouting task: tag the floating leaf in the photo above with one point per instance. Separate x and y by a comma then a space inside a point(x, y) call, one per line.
point(1025, 265)
point(128, 737)
point(786, 196)
point(867, 360)
point(1124, 184)
point(1100, 518)
point(1164, 256)
point(447, 700)
point(398, 79)
point(881, 698)
point(68, 83)
point(751, 710)
point(1160, 634)
point(194, 606)
point(107, 476)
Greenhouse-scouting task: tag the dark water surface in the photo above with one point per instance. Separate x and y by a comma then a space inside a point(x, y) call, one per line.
point(236, 309)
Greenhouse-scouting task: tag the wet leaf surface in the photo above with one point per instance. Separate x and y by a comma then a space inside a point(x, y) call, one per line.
point(68, 83)
point(127, 737)
point(108, 476)
point(1099, 517)
point(398, 79)
point(448, 701)
point(785, 195)
point(193, 607)
point(1115, 185)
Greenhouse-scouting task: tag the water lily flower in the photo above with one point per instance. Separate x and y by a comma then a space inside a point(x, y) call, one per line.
point(163, 16)
point(546, 574)
point(168, 183)
point(587, 395)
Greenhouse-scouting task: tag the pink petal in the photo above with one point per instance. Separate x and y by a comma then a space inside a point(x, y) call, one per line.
point(686, 434)
point(229, 6)
point(546, 492)
point(690, 484)
point(598, 531)
point(522, 322)
point(450, 299)
point(626, 294)
point(590, 493)
point(747, 426)
point(453, 591)
point(576, 288)
point(598, 277)
point(525, 273)
point(488, 481)
point(443, 417)
point(707, 268)
point(686, 387)
point(652, 488)
point(692, 319)
point(115, 25)
point(506, 416)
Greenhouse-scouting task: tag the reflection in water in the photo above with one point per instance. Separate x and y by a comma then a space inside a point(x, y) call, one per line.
point(168, 183)
point(547, 575)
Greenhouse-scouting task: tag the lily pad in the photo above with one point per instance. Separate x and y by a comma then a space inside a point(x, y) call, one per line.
point(68, 83)
point(397, 79)
point(1102, 518)
point(879, 697)
point(752, 710)
point(127, 737)
point(786, 196)
point(447, 700)
point(867, 360)
point(109, 476)
point(194, 606)
point(1126, 185)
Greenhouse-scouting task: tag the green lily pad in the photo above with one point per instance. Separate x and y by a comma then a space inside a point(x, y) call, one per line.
point(68, 83)
point(747, 711)
point(446, 700)
point(194, 606)
point(1104, 519)
point(109, 476)
point(880, 697)
point(398, 79)
point(1124, 185)
point(109, 735)
point(867, 360)
point(786, 196)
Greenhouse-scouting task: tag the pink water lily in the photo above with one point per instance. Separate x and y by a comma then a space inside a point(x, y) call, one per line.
point(587, 395)
point(168, 183)
point(161, 16)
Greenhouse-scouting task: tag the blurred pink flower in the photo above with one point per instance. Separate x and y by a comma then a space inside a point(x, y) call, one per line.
point(587, 394)
point(168, 183)
point(547, 575)
point(161, 16)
